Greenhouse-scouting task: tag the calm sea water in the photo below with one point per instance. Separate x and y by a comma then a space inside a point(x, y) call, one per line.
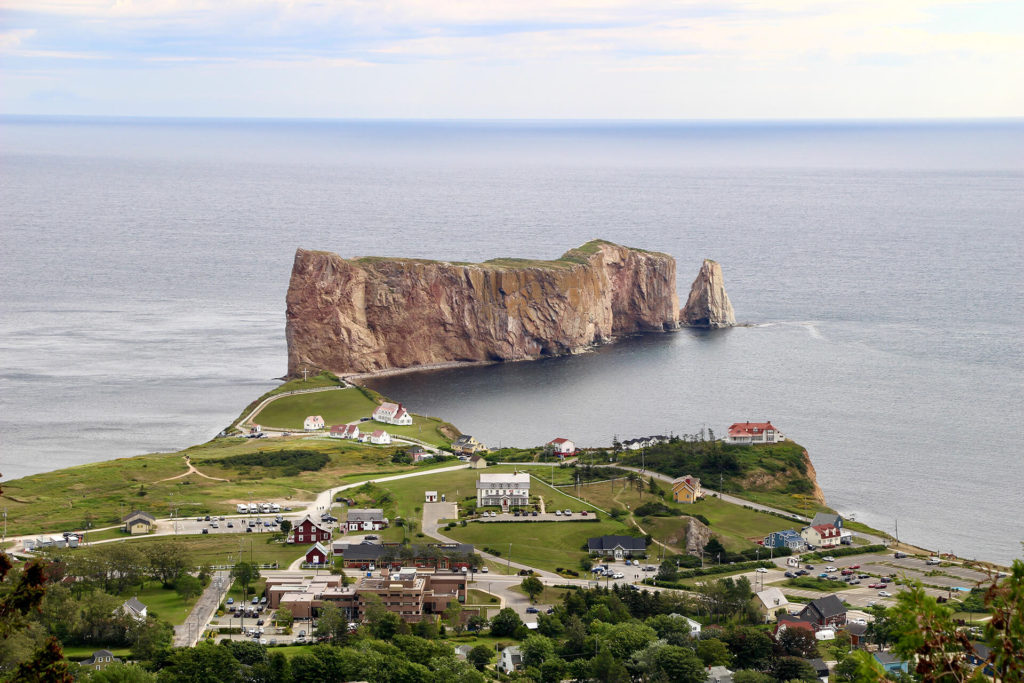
point(880, 266)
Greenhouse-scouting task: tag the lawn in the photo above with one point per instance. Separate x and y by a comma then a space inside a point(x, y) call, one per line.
point(736, 524)
point(475, 596)
point(550, 595)
point(219, 549)
point(164, 603)
point(546, 545)
point(815, 584)
point(343, 406)
point(77, 653)
point(101, 493)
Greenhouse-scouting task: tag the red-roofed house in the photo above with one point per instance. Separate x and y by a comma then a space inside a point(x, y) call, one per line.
point(392, 414)
point(308, 531)
point(747, 433)
point(380, 437)
point(313, 423)
point(821, 536)
point(349, 431)
point(562, 447)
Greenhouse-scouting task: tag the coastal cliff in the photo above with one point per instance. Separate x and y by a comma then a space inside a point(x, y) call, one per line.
point(708, 305)
point(370, 314)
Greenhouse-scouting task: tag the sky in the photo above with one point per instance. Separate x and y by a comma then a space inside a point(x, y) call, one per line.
point(514, 59)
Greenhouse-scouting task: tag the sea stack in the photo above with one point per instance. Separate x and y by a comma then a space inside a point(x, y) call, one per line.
point(353, 316)
point(708, 305)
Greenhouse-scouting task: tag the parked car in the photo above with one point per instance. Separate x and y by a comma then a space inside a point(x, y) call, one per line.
point(863, 576)
point(535, 513)
point(231, 525)
point(584, 513)
point(808, 566)
point(549, 610)
point(829, 558)
point(876, 585)
point(567, 512)
point(558, 512)
point(248, 529)
point(790, 575)
point(884, 594)
point(830, 568)
point(260, 622)
point(206, 531)
point(761, 570)
point(618, 575)
point(532, 610)
point(255, 600)
point(231, 601)
point(370, 537)
point(854, 566)
point(484, 569)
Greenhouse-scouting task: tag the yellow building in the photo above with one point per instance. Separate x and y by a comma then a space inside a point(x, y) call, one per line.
point(139, 522)
point(686, 489)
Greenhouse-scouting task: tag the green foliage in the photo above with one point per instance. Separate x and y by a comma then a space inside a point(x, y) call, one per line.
point(121, 673)
point(245, 573)
point(532, 586)
point(505, 623)
point(301, 460)
point(188, 586)
point(480, 656)
point(714, 652)
point(654, 508)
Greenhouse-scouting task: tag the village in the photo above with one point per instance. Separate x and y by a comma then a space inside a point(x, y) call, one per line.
point(464, 537)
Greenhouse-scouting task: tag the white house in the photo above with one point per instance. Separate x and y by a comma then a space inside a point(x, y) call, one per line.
point(348, 431)
point(392, 414)
point(694, 625)
point(510, 660)
point(821, 536)
point(135, 609)
point(366, 519)
point(750, 433)
point(506, 490)
point(431, 496)
point(313, 423)
point(562, 447)
point(380, 437)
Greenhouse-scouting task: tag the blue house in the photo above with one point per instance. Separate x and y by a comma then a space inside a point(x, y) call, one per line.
point(784, 539)
point(891, 663)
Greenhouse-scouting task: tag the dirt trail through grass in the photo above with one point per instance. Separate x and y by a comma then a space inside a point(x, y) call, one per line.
point(191, 470)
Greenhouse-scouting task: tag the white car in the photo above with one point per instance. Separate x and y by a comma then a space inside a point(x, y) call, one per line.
point(761, 570)
point(618, 575)
point(484, 569)
point(567, 512)
point(558, 512)
point(829, 558)
point(831, 569)
point(884, 594)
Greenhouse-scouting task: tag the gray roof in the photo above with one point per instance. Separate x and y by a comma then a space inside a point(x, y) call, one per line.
point(463, 440)
point(888, 658)
point(828, 606)
point(610, 543)
point(139, 514)
point(819, 666)
point(134, 605)
point(365, 514)
point(375, 551)
point(827, 518)
point(100, 656)
point(857, 629)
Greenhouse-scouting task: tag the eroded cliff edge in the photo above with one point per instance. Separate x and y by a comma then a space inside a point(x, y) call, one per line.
point(369, 314)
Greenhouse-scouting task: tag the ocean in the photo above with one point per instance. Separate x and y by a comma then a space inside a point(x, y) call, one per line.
point(878, 268)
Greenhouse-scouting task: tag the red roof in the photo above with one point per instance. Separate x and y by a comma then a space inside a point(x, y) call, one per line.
point(339, 429)
point(826, 530)
point(379, 433)
point(750, 428)
point(558, 441)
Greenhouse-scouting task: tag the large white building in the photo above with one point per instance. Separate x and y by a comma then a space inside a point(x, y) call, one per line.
point(313, 423)
point(505, 489)
point(749, 433)
point(392, 414)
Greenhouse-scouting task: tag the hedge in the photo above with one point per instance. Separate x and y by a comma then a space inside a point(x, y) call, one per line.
point(842, 552)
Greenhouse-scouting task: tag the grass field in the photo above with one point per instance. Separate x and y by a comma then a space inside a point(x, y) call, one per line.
point(218, 549)
point(101, 493)
point(475, 596)
point(546, 545)
point(164, 603)
point(549, 596)
point(343, 406)
point(77, 653)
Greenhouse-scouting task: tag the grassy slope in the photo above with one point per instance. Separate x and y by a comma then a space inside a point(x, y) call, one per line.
point(215, 549)
point(103, 491)
point(340, 407)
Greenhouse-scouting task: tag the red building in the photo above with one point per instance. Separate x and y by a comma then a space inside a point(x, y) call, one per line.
point(317, 554)
point(308, 531)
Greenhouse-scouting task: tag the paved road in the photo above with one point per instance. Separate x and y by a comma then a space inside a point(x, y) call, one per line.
point(188, 633)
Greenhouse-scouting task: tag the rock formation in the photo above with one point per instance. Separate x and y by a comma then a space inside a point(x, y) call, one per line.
point(697, 536)
point(708, 304)
point(362, 315)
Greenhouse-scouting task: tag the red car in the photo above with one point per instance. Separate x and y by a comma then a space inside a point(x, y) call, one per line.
point(876, 585)
point(854, 566)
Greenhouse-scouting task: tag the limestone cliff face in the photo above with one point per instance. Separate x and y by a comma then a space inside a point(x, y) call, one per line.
point(817, 493)
point(708, 305)
point(363, 315)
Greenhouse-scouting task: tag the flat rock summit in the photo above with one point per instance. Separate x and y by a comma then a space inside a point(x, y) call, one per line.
point(352, 316)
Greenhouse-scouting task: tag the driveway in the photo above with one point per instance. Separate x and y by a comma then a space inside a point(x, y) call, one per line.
point(188, 633)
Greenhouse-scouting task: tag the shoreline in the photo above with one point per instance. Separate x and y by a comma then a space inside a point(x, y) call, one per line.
point(358, 377)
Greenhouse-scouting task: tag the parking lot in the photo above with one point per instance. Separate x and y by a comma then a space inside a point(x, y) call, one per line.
point(576, 516)
point(260, 524)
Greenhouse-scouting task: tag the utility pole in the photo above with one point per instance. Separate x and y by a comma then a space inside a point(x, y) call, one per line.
point(509, 568)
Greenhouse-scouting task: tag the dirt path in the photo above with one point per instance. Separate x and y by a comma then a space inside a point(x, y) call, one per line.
point(191, 470)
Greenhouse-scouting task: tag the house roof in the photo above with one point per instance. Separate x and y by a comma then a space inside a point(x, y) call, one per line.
point(611, 542)
point(317, 546)
point(825, 518)
point(687, 481)
point(314, 418)
point(476, 457)
point(134, 605)
point(378, 433)
point(856, 629)
point(308, 519)
point(516, 478)
point(819, 666)
point(365, 515)
point(826, 530)
point(772, 597)
point(888, 658)
point(750, 428)
point(339, 429)
point(464, 440)
point(828, 606)
point(794, 621)
point(786, 533)
point(139, 514)
point(558, 442)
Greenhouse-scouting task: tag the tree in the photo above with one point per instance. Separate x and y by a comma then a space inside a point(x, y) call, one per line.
point(713, 652)
point(383, 623)
point(796, 642)
point(790, 668)
point(188, 586)
point(532, 586)
point(285, 526)
point(331, 624)
point(167, 560)
point(122, 673)
point(605, 668)
point(679, 664)
point(750, 676)
point(714, 548)
point(149, 638)
point(284, 617)
point(480, 656)
point(505, 623)
point(204, 663)
point(668, 571)
point(453, 617)
point(246, 574)
point(751, 648)
point(536, 650)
